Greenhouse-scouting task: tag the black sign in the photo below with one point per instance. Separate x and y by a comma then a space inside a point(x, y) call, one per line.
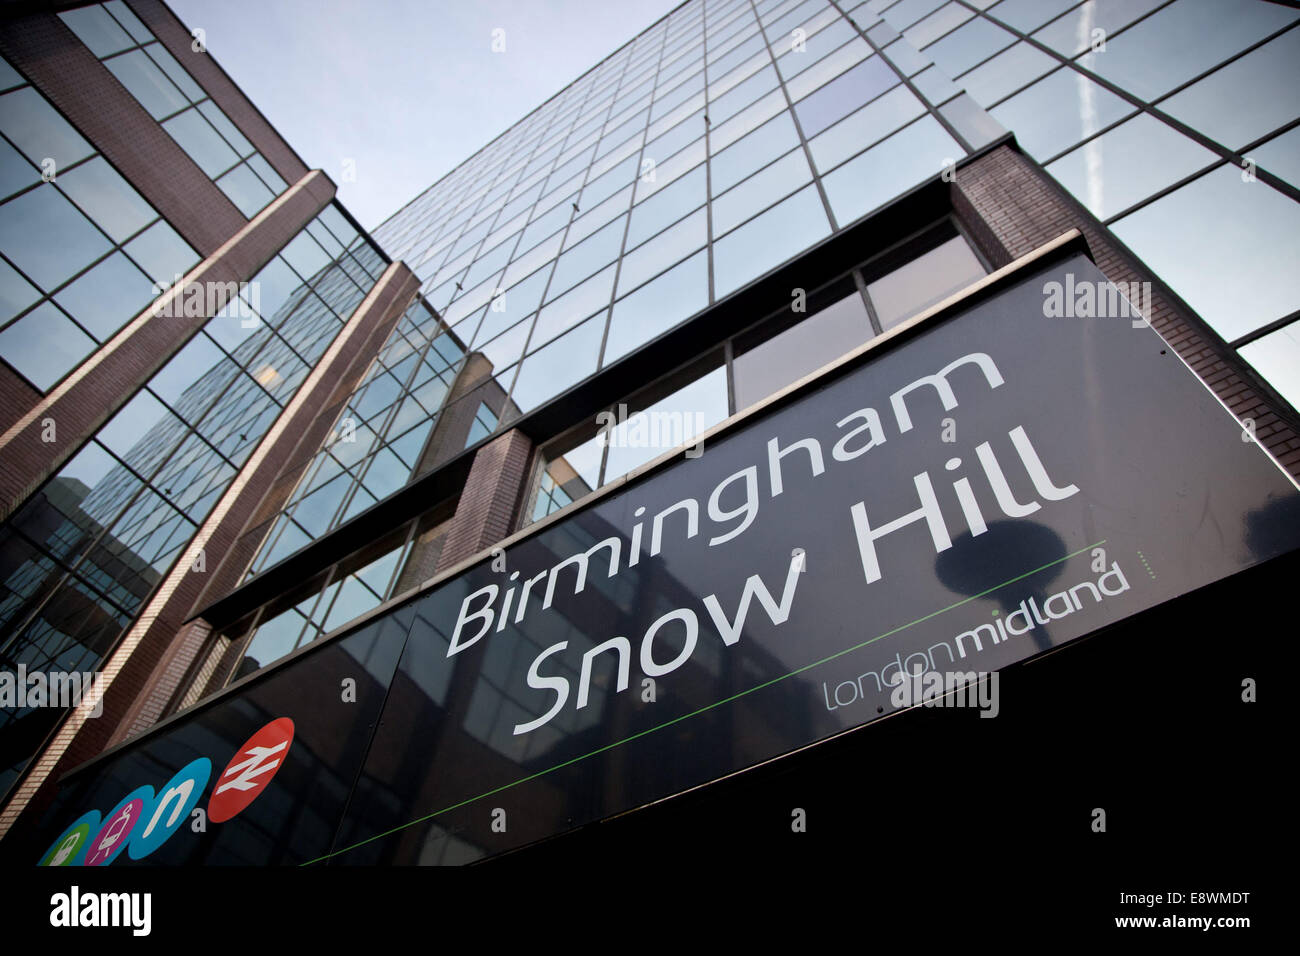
point(1003, 482)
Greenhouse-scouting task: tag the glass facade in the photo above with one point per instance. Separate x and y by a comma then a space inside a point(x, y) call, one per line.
point(162, 86)
point(724, 141)
point(83, 554)
point(81, 252)
point(1171, 122)
point(728, 140)
point(732, 137)
point(778, 350)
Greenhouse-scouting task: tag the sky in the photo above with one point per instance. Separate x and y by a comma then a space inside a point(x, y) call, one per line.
point(405, 89)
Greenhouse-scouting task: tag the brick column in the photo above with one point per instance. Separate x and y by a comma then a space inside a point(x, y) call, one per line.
point(486, 511)
point(1008, 202)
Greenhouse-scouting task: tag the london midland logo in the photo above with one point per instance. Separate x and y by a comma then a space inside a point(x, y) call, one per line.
point(142, 821)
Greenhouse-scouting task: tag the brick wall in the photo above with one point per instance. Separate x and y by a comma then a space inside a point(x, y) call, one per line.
point(1009, 203)
point(486, 511)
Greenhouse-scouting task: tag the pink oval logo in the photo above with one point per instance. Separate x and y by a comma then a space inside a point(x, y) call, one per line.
point(116, 831)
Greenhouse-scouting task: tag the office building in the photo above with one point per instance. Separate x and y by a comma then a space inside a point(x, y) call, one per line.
point(285, 462)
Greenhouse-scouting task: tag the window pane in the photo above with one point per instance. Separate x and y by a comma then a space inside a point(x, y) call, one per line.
point(587, 256)
point(195, 135)
point(1276, 356)
point(663, 250)
point(817, 73)
point(158, 53)
point(108, 296)
point(1072, 33)
point(803, 348)
point(731, 102)
point(774, 138)
point(129, 20)
point(764, 242)
point(868, 125)
point(44, 346)
point(1006, 73)
point(1057, 112)
point(563, 363)
point(45, 236)
point(1281, 156)
point(844, 94)
point(760, 190)
point(161, 253)
point(518, 302)
point(1228, 247)
point(106, 198)
point(1112, 172)
point(910, 156)
point(147, 83)
point(746, 120)
point(1246, 99)
point(672, 421)
point(573, 306)
point(666, 207)
point(1027, 15)
point(946, 18)
point(907, 12)
point(277, 185)
point(658, 305)
point(16, 293)
point(967, 45)
point(924, 281)
point(15, 171)
point(275, 638)
point(95, 28)
point(245, 190)
point(38, 131)
point(969, 119)
point(906, 57)
point(305, 255)
point(1182, 40)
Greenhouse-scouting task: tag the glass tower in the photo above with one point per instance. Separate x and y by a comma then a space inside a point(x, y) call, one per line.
point(703, 218)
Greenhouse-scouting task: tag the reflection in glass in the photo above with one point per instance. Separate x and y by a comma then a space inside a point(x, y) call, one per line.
point(1182, 40)
point(768, 240)
point(1218, 226)
point(926, 280)
point(1131, 162)
point(915, 153)
point(803, 348)
point(1058, 111)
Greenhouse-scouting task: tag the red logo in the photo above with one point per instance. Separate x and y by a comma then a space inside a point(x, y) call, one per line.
point(250, 770)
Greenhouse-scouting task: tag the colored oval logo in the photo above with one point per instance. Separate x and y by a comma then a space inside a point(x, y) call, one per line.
point(69, 849)
point(113, 836)
point(170, 810)
point(251, 768)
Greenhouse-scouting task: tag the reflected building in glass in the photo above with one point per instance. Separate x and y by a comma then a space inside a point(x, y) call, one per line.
point(738, 197)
